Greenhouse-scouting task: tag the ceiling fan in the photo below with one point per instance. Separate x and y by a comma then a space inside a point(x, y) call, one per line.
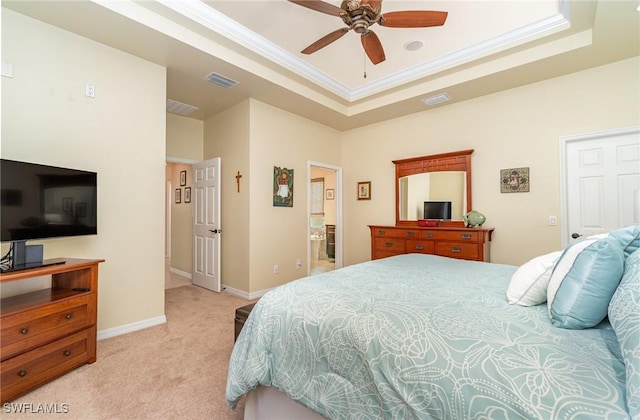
point(359, 15)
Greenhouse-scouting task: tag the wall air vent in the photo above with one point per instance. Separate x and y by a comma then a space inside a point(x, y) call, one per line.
point(220, 80)
point(436, 99)
point(179, 108)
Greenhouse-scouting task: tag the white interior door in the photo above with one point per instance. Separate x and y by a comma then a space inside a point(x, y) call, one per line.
point(206, 224)
point(602, 182)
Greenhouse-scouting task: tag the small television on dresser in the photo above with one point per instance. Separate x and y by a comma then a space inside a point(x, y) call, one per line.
point(40, 201)
point(438, 210)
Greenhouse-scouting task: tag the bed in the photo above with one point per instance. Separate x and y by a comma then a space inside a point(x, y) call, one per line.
point(422, 336)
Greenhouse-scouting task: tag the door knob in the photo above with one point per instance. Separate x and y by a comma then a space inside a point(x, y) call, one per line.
point(215, 230)
point(575, 235)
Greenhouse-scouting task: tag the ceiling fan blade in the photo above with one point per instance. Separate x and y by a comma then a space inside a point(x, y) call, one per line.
point(413, 19)
point(319, 6)
point(325, 40)
point(373, 47)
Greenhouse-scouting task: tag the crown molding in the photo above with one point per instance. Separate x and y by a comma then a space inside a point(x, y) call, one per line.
point(199, 12)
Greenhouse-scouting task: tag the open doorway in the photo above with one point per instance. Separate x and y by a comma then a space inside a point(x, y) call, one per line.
point(178, 224)
point(324, 218)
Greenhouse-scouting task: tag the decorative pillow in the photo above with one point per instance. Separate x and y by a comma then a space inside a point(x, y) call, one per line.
point(628, 238)
point(583, 281)
point(528, 285)
point(624, 316)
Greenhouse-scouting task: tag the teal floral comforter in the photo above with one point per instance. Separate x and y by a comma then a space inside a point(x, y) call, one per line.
point(424, 337)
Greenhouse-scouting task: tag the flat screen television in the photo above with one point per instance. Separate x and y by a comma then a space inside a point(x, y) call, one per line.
point(440, 210)
point(40, 201)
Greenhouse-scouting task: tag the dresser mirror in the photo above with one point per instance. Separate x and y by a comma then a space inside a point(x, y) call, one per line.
point(442, 177)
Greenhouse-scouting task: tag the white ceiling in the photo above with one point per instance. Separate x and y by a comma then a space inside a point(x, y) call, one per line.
point(485, 46)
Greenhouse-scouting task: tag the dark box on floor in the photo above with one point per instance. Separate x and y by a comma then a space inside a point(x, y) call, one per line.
point(241, 317)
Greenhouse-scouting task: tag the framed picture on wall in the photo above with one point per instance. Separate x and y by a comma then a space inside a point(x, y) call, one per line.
point(187, 194)
point(183, 178)
point(282, 187)
point(514, 180)
point(67, 202)
point(178, 196)
point(364, 190)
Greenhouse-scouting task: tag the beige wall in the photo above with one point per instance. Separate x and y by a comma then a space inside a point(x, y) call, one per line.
point(252, 138)
point(516, 128)
point(185, 138)
point(181, 219)
point(279, 234)
point(120, 134)
point(227, 137)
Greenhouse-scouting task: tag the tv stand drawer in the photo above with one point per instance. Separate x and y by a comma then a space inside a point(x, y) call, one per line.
point(29, 329)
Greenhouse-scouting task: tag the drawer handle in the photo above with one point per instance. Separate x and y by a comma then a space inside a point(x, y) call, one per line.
point(456, 249)
point(388, 244)
point(419, 246)
point(466, 236)
point(67, 353)
point(22, 373)
point(410, 233)
point(24, 330)
point(68, 316)
point(429, 234)
point(381, 232)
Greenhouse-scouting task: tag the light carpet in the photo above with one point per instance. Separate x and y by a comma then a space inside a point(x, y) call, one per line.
point(173, 371)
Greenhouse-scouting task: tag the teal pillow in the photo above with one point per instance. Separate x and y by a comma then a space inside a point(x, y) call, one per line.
point(628, 238)
point(583, 281)
point(624, 316)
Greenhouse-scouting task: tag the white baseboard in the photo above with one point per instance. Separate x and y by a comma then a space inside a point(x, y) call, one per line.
point(242, 293)
point(134, 326)
point(180, 272)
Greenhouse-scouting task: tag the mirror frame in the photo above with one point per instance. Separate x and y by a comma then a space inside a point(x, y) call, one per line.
point(452, 161)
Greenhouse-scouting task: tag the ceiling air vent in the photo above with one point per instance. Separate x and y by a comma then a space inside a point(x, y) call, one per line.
point(220, 80)
point(179, 108)
point(436, 99)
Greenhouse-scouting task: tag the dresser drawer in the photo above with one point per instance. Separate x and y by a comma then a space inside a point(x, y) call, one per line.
point(35, 367)
point(389, 244)
point(424, 247)
point(29, 329)
point(455, 235)
point(377, 254)
point(467, 251)
point(396, 233)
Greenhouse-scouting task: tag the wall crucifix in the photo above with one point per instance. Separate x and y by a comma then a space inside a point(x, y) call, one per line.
point(238, 176)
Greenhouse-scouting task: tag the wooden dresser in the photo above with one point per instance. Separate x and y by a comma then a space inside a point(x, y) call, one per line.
point(49, 332)
point(455, 242)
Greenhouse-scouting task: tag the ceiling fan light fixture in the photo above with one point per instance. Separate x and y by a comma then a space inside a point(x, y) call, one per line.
point(436, 99)
point(413, 45)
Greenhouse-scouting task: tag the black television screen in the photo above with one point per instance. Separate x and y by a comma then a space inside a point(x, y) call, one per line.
point(440, 210)
point(40, 201)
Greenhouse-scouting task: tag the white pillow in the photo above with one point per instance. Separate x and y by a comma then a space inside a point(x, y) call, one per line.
point(528, 285)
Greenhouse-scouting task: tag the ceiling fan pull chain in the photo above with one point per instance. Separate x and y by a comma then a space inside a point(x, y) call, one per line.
point(364, 64)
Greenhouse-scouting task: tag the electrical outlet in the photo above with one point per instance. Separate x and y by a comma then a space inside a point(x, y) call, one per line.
point(7, 69)
point(276, 269)
point(298, 264)
point(90, 91)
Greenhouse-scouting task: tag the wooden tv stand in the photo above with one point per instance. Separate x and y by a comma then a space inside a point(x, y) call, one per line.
point(47, 333)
